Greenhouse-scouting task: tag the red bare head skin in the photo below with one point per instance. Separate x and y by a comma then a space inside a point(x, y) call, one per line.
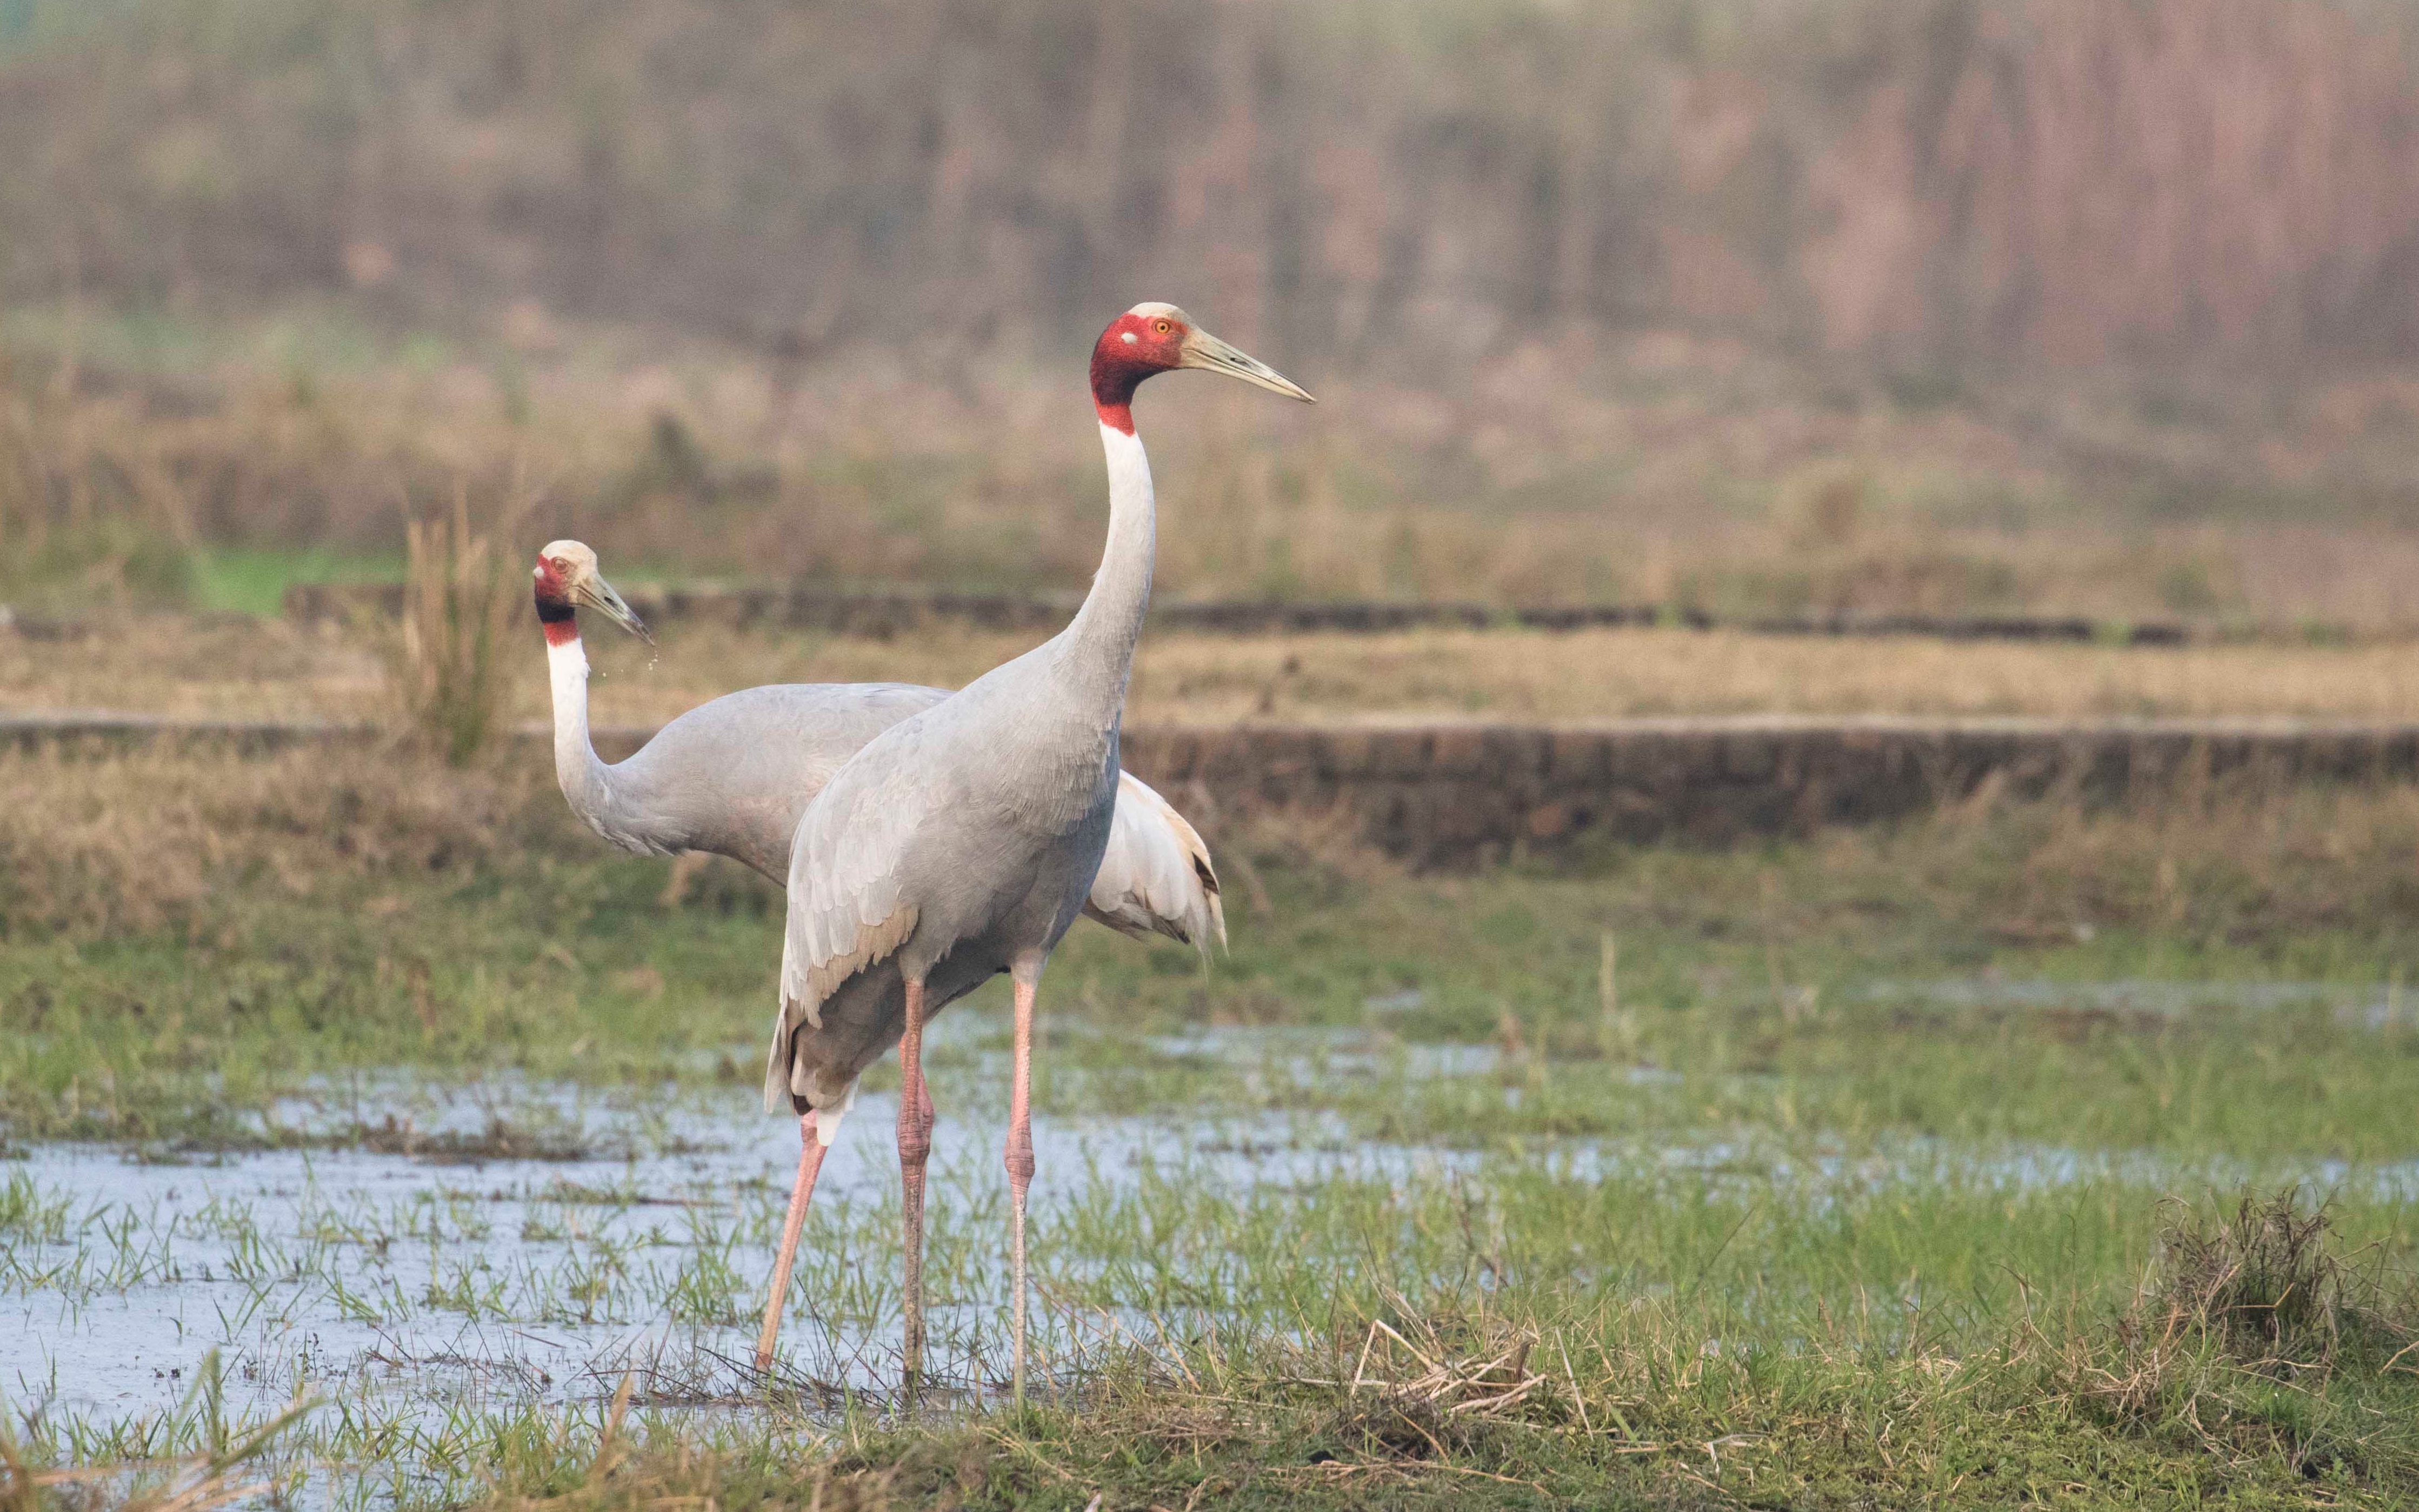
point(551, 588)
point(1146, 339)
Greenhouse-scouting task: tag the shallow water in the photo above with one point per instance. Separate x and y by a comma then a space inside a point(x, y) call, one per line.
point(346, 1265)
point(1311, 1055)
point(426, 1289)
point(427, 1285)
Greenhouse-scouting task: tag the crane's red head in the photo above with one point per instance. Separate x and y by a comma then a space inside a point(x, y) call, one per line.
point(566, 578)
point(1159, 338)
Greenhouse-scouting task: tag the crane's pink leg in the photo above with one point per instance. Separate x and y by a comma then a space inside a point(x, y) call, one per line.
point(1019, 1159)
point(915, 1148)
point(810, 1160)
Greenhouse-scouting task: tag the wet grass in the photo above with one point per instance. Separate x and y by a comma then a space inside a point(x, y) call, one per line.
point(1653, 1398)
point(1746, 1327)
point(1794, 986)
point(1828, 1173)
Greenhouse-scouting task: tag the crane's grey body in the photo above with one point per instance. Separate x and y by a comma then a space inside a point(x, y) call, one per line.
point(733, 775)
point(961, 842)
point(1037, 810)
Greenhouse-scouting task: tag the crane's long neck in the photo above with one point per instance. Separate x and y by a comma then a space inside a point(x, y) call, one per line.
point(1100, 644)
point(586, 785)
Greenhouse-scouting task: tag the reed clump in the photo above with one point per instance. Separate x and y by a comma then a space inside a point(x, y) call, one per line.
point(2249, 1313)
point(462, 600)
point(2261, 1282)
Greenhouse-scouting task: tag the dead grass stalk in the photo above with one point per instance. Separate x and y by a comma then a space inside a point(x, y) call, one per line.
point(461, 599)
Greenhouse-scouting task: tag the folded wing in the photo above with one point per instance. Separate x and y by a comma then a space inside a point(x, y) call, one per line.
point(847, 910)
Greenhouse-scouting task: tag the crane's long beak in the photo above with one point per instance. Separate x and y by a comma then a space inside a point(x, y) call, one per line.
point(1206, 352)
point(600, 596)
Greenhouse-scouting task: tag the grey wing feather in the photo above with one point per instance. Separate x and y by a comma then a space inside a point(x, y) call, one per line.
point(846, 908)
point(1156, 875)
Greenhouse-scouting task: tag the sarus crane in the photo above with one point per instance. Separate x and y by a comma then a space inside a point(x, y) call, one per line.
point(732, 775)
point(963, 840)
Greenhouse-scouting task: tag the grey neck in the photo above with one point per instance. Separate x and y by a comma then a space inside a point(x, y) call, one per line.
point(1096, 651)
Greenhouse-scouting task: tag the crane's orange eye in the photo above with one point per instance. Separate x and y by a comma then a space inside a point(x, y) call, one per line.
point(1163, 326)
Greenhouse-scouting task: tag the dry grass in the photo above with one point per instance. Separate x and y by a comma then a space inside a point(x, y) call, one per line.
point(1644, 468)
point(1781, 307)
point(462, 593)
point(271, 669)
point(2235, 862)
point(200, 669)
point(1617, 673)
point(95, 843)
point(90, 507)
point(103, 845)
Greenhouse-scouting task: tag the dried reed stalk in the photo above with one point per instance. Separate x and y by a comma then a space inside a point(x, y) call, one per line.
point(460, 597)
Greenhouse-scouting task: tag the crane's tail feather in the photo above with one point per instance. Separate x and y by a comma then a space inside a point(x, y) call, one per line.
point(1156, 876)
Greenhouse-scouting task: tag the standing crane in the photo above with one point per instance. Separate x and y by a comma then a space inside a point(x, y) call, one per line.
point(732, 775)
point(963, 840)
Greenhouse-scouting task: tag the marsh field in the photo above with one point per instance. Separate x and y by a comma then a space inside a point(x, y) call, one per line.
point(2016, 1154)
point(373, 1136)
point(381, 1138)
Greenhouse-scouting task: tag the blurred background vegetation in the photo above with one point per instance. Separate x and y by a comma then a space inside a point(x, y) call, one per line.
point(2095, 305)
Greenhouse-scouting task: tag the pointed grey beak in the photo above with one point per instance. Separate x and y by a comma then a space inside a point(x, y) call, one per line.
point(1208, 353)
point(600, 596)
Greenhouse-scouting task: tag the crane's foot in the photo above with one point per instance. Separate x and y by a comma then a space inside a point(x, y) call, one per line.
point(810, 1162)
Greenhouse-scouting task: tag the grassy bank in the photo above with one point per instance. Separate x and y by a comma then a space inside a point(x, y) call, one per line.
point(186, 934)
point(1823, 1174)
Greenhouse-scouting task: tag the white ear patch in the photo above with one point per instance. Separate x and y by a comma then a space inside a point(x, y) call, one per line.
point(1129, 338)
